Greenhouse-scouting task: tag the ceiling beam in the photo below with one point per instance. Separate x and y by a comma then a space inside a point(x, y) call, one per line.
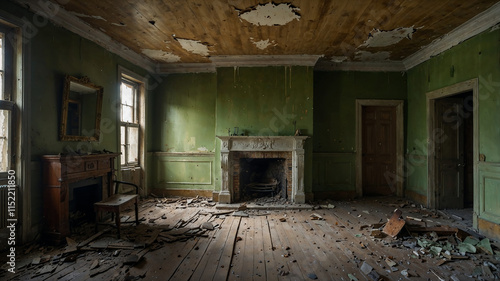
point(59, 16)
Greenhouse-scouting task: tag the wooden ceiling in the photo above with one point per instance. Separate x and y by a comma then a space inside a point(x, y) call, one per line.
point(193, 31)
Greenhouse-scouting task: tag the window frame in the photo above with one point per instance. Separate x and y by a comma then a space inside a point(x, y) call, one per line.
point(124, 148)
point(7, 69)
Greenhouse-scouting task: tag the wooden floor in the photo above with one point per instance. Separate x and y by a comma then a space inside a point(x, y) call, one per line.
point(267, 245)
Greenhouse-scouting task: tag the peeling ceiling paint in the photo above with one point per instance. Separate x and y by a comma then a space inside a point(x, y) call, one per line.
point(338, 59)
point(270, 14)
point(161, 55)
point(382, 38)
point(118, 24)
point(368, 56)
point(194, 46)
point(263, 44)
point(88, 16)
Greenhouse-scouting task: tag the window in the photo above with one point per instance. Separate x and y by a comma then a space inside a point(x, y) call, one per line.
point(6, 105)
point(130, 123)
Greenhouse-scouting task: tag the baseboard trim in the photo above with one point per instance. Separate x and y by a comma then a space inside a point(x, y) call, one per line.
point(182, 192)
point(488, 229)
point(416, 197)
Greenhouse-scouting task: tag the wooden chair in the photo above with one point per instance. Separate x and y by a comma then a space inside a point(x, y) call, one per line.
point(117, 203)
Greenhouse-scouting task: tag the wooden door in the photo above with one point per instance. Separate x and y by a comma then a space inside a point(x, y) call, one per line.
point(449, 153)
point(378, 150)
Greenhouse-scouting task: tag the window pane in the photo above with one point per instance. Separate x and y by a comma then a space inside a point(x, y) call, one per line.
point(122, 132)
point(127, 94)
point(133, 141)
point(127, 113)
point(4, 140)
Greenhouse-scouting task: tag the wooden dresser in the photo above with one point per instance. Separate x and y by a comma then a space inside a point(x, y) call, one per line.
point(58, 172)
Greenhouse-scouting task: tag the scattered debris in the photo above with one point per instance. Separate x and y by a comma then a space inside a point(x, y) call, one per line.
point(316, 216)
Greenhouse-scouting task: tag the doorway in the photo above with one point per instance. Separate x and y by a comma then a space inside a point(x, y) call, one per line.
point(452, 148)
point(379, 147)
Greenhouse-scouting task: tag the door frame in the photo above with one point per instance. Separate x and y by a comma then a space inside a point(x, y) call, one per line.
point(455, 89)
point(398, 104)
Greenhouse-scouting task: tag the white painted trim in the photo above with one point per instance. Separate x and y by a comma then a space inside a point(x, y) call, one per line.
point(74, 24)
point(399, 104)
point(472, 27)
point(266, 60)
point(168, 68)
point(469, 85)
point(377, 66)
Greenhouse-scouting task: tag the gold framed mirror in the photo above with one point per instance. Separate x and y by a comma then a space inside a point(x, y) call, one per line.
point(81, 110)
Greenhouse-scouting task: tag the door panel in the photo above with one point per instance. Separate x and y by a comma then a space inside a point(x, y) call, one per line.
point(450, 153)
point(378, 149)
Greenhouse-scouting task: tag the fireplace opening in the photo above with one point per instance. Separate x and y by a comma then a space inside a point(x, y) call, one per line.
point(82, 196)
point(262, 177)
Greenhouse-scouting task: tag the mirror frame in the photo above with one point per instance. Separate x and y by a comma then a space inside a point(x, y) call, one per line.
point(85, 81)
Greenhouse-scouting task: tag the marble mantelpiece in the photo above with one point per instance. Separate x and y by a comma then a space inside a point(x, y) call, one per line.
point(292, 144)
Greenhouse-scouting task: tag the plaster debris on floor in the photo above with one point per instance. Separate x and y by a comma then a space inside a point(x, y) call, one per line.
point(181, 238)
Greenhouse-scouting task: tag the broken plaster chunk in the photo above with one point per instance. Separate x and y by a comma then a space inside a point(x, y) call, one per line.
point(366, 268)
point(352, 277)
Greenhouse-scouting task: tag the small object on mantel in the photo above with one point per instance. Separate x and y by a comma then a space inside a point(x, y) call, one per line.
point(298, 132)
point(395, 224)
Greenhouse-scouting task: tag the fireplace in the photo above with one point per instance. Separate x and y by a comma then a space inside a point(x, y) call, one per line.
point(276, 164)
point(82, 196)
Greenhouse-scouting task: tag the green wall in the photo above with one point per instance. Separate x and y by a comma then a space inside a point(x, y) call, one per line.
point(335, 94)
point(184, 113)
point(478, 57)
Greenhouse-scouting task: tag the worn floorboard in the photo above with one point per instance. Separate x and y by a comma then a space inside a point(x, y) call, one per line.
point(266, 245)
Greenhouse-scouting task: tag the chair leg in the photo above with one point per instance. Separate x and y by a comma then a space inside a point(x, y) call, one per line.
point(117, 219)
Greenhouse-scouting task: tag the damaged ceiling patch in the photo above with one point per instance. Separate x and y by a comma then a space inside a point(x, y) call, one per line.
point(368, 56)
point(194, 46)
point(161, 55)
point(382, 38)
point(263, 44)
point(270, 14)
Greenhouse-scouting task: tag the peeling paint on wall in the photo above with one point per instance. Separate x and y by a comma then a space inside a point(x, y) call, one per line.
point(382, 38)
point(338, 59)
point(88, 16)
point(194, 46)
point(369, 56)
point(263, 44)
point(161, 55)
point(270, 14)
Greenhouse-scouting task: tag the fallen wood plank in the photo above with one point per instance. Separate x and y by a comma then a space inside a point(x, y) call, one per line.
point(395, 224)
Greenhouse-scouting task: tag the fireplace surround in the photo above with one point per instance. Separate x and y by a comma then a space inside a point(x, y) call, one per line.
point(290, 148)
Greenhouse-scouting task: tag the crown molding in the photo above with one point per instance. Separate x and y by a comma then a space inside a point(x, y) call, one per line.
point(265, 60)
point(59, 16)
point(170, 68)
point(385, 66)
point(472, 27)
